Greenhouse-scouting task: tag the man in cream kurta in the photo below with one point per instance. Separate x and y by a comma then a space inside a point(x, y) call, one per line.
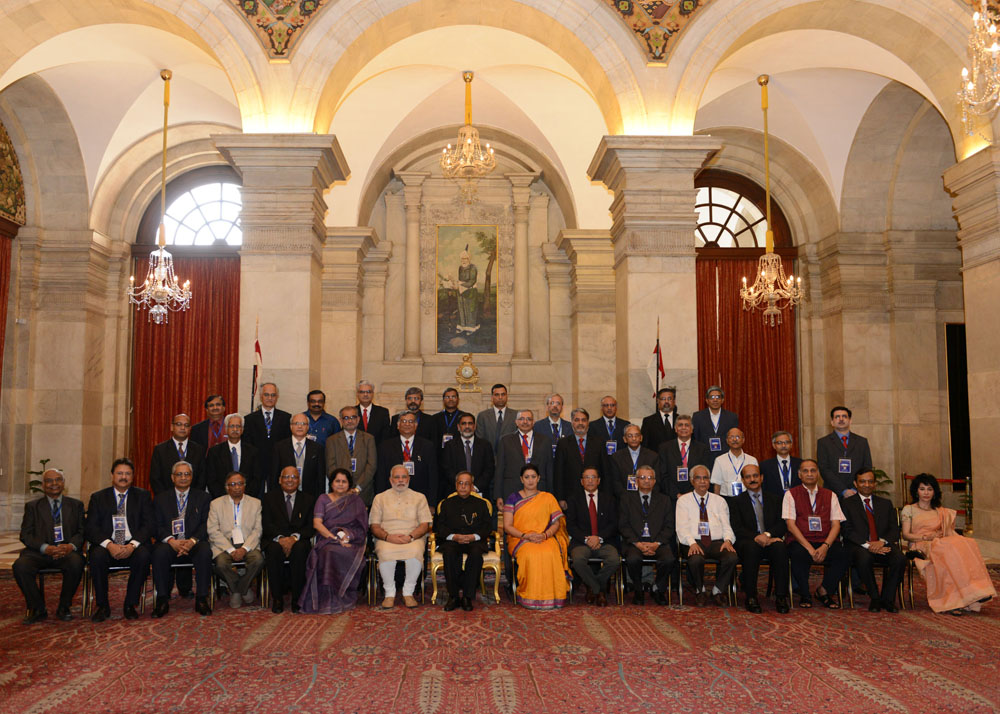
point(234, 528)
point(400, 519)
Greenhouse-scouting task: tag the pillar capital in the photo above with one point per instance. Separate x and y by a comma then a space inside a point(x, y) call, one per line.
point(412, 187)
point(975, 184)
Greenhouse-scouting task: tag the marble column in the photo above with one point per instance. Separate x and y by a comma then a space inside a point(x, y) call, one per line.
point(412, 193)
point(653, 223)
point(284, 178)
point(521, 194)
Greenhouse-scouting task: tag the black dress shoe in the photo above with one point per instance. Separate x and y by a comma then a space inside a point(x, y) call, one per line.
point(658, 597)
point(34, 616)
point(781, 605)
point(162, 607)
point(720, 599)
point(860, 590)
point(700, 599)
point(201, 606)
point(295, 608)
point(277, 605)
point(467, 604)
point(102, 613)
point(601, 600)
point(452, 604)
point(589, 598)
point(874, 606)
point(130, 612)
point(890, 607)
point(63, 613)
point(753, 605)
point(639, 598)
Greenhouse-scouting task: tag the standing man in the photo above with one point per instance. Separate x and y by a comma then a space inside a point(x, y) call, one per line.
point(302, 453)
point(264, 428)
point(626, 462)
point(321, 425)
point(554, 426)
point(52, 533)
point(234, 454)
point(704, 531)
point(354, 450)
point(120, 525)
point(592, 522)
point(727, 468)
point(842, 454)
point(426, 429)
point(177, 448)
point(462, 528)
point(713, 423)
point(469, 453)
point(446, 421)
point(760, 533)
point(658, 427)
point(496, 422)
point(871, 533)
point(414, 454)
point(609, 430)
point(287, 529)
point(677, 458)
point(521, 447)
point(234, 530)
point(782, 472)
point(575, 453)
point(374, 419)
point(646, 524)
point(211, 431)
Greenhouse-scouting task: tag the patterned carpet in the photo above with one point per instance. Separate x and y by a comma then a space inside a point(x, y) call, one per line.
point(499, 659)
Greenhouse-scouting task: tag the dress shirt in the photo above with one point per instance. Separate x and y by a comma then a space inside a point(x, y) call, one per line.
point(177, 499)
point(237, 522)
point(531, 442)
point(52, 502)
point(239, 450)
point(557, 424)
point(688, 514)
point(715, 418)
point(788, 505)
point(668, 418)
point(634, 455)
point(496, 414)
point(783, 463)
point(867, 501)
point(403, 441)
point(726, 470)
point(128, 531)
point(181, 446)
point(284, 500)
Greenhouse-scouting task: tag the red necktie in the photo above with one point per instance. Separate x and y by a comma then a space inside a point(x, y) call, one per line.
point(581, 449)
point(406, 450)
point(364, 417)
point(684, 455)
point(872, 531)
point(844, 439)
point(525, 449)
point(593, 516)
point(706, 540)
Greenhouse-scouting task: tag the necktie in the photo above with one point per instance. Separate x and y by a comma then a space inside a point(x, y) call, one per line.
point(57, 511)
point(872, 531)
point(119, 535)
point(664, 420)
point(350, 444)
point(645, 503)
point(406, 450)
point(364, 417)
point(555, 432)
point(236, 459)
point(525, 449)
point(468, 454)
point(496, 439)
point(684, 455)
point(298, 450)
point(784, 475)
point(758, 510)
point(611, 428)
point(216, 435)
point(581, 449)
point(267, 422)
point(182, 502)
point(844, 440)
point(288, 505)
point(181, 451)
point(593, 515)
point(706, 540)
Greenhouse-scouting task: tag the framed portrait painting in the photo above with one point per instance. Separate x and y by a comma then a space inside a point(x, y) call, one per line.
point(467, 277)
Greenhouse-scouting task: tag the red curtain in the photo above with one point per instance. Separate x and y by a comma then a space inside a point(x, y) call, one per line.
point(176, 365)
point(754, 363)
point(6, 249)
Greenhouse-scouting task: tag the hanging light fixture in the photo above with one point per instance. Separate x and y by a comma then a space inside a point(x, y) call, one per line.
point(771, 291)
point(161, 292)
point(980, 91)
point(467, 161)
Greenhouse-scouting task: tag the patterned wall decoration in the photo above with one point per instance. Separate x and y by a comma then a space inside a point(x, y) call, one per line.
point(277, 23)
point(657, 22)
point(11, 183)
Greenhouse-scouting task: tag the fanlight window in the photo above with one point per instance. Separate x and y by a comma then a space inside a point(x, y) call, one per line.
point(208, 214)
point(727, 219)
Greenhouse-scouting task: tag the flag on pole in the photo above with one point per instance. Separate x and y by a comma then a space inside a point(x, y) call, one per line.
point(655, 367)
point(258, 364)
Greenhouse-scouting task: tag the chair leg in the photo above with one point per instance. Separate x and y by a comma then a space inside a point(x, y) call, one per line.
point(434, 581)
point(850, 592)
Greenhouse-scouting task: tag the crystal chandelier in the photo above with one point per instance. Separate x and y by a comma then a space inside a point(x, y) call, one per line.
point(772, 291)
point(980, 92)
point(467, 161)
point(161, 292)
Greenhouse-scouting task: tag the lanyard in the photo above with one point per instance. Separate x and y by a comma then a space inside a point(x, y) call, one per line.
point(182, 503)
point(236, 513)
point(447, 424)
point(742, 461)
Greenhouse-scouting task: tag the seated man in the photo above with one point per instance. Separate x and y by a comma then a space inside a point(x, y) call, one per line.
point(182, 533)
point(463, 526)
point(52, 533)
point(592, 522)
point(760, 533)
point(872, 536)
point(234, 528)
point(704, 531)
point(813, 517)
point(646, 524)
point(287, 527)
point(119, 527)
point(400, 520)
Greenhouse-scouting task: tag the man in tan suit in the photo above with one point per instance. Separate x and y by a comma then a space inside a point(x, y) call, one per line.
point(354, 450)
point(234, 528)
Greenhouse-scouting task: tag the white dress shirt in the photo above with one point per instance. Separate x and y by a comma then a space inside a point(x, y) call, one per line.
point(688, 514)
point(726, 471)
point(128, 531)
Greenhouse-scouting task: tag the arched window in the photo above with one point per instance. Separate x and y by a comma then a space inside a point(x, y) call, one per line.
point(203, 210)
point(731, 213)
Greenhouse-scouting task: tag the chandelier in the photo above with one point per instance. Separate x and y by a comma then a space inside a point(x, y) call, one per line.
point(161, 292)
point(467, 161)
point(980, 92)
point(771, 291)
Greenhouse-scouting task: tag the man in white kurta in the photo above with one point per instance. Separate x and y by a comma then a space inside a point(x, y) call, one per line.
point(399, 519)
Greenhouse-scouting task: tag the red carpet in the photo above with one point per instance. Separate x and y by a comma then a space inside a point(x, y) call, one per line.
point(500, 659)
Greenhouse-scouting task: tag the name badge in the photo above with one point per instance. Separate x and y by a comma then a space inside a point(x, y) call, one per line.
point(311, 437)
point(715, 444)
point(177, 528)
point(237, 535)
point(815, 524)
point(844, 466)
point(645, 530)
point(704, 529)
point(354, 465)
point(554, 446)
point(118, 523)
point(445, 438)
point(57, 534)
point(736, 487)
point(682, 473)
point(409, 466)
point(632, 485)
point(611, 446)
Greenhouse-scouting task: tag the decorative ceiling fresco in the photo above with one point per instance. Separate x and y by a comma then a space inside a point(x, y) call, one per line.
point(657, 23)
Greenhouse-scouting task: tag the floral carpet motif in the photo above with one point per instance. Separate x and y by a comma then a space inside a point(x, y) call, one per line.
point(500, 658)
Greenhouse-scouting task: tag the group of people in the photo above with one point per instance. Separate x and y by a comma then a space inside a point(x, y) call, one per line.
point(300, 494)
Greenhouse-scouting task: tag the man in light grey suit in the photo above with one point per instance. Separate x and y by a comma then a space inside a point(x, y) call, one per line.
point(525, 445)
point(354, 450)
point(499, 414)
point(234, 529)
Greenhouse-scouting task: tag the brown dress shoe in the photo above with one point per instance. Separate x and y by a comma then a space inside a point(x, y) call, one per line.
point(700, 599)
point(720, 599)
point(589, 599)
point(602, 600)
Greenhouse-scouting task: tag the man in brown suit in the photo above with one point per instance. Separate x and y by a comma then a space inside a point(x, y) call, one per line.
point(354, 450)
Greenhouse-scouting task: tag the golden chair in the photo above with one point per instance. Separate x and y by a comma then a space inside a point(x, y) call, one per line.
point(491, 561)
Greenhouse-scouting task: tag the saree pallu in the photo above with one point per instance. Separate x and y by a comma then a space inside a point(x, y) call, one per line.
point(333, 570)
point(542, 568)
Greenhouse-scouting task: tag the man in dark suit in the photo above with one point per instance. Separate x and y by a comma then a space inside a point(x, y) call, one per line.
point(233, 454)
point(609, 431)
point(677, 457)
point(842, 454)
point(211, 431)
point(517, 449)
point(416, 454)
point(177, 448)
point(264, 428)
point(592, 523)
point(469, 453)
point(626, 462)
point(500, 414)
point(713, 423)
point(354, 449)
point(287, 527)
point(782, 472)
point(462, 528)
point(554, 426)
point(658, 427)
point(872, 536)
point(760, 533)
point(182, 533)
point(446, 421)
point(572, 457)
point(646, 525)
point(304, 454)
point(374, 419)
point(52, 533)
point(120, 525)
point(426, 427)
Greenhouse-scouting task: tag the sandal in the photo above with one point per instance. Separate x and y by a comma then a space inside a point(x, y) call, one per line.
point(957, 613)
point(805, 603)
point(827, 601)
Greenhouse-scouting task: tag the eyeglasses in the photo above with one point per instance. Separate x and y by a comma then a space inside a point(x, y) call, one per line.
point(349, 418)
point(182, 423)
point(234, 484)
point(782, 443)
point(300, 423)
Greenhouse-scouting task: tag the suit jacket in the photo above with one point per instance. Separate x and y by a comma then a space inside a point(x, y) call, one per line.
point(425, 469)
point(378, 423)
point(365, 459)
point(255, 434)
point(660, 519)
point(426, 428)
point(165, 456)
point(856, 527)
point(621, 467)
point(545, 427)
point(578, 518)
point(274, 517)
point(195, 515)
point(37, 525)
point(655, 432)
point(221, 523)
point(670, 461)
point(138, 514)
point(483, 464)
point(441, 426)
point(771, 472)
point(703, 431)
point(510, 459)
point(486, 424)
point(599, 431)
point(569, 466)
point(219, 463)
point(744, 520)
point(830, 450)
point(313, 466)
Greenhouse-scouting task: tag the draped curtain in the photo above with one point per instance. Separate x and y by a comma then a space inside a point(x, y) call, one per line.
point(6, 249)
point(754, 363)
point(176, 365)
